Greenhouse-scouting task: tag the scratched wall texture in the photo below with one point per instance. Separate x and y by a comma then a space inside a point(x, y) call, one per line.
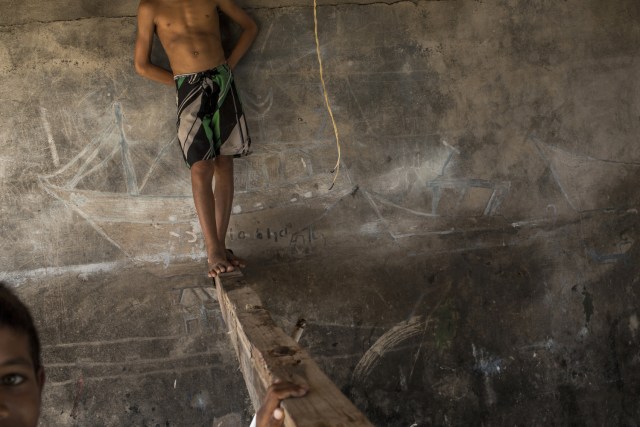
point(474, 264)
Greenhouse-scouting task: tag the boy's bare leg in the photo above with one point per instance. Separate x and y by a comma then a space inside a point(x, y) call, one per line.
point(223, 194)
point(202, 173)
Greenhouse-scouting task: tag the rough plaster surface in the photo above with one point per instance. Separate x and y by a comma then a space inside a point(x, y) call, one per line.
point(475, 262)
point(135, 348)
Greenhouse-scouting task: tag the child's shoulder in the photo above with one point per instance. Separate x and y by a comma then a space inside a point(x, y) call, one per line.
point(148, 5)
point(148, 9)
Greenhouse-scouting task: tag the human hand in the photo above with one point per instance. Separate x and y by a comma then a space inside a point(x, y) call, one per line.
point(270, 414)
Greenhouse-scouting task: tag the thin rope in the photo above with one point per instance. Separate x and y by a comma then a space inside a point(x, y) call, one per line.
point(336, 168)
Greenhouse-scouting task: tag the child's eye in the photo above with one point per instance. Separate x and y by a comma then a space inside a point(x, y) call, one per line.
point(12, 379)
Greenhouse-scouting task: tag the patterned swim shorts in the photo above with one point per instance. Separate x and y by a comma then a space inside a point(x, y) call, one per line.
point(210, 118)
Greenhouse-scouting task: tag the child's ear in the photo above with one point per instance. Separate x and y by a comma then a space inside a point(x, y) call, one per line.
point(41, 378)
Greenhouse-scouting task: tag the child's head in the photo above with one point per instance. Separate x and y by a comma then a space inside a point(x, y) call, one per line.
point(21, 372)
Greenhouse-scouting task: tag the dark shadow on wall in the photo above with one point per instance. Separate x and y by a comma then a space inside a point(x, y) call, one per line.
point(543, 332)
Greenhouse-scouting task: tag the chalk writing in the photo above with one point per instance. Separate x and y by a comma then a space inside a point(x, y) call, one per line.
point(268, 233)
point(302, 240)
point(191, 236)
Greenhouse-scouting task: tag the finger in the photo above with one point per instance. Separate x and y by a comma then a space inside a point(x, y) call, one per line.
point(292, 387)
point(280, 385)
point(285, 390)
point(278, 414)
point(277, 418)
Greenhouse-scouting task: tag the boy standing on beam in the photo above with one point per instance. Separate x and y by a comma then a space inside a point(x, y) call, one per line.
point(211, 125)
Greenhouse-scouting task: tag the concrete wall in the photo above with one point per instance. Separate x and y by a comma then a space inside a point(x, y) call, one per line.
point(474, 261)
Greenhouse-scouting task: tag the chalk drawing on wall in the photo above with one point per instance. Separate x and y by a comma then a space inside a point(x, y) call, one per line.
point(112, 213)
point(199, 309)
point(588, 183)
point(258, 106)
point(474, 197)
point(487, 366)
point(437, 327)
point(429, 197)
point(142, 224)
point(389, 341)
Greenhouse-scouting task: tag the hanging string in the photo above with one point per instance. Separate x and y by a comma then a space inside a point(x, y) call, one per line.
point(336, 168)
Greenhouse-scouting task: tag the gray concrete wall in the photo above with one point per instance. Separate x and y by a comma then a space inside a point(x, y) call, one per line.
point(474, 261)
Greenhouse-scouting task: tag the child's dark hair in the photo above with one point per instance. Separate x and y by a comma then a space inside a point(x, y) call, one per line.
point(15, 315)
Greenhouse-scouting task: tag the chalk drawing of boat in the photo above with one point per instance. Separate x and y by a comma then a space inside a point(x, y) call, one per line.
point(143, 225)
point(588, 183)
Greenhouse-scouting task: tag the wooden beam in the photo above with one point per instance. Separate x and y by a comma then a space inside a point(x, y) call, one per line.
point(266, 352)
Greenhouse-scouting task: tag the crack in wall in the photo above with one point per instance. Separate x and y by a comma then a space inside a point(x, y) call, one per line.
point(310, 6)
point(55, 21)
point(364, 3)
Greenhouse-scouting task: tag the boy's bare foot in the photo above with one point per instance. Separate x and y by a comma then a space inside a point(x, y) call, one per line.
point(234, 260)
point(219, 264)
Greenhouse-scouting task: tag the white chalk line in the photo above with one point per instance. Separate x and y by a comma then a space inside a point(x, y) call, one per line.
point(50, 140)
point(18, 278)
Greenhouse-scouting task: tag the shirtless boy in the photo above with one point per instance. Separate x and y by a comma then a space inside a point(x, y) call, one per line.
point(211, 126)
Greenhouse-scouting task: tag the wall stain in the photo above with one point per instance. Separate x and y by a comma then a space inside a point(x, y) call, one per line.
point(587, 303)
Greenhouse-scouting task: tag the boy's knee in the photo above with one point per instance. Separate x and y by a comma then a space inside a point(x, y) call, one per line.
point(224, 161)
point(224, 165)
point(202, 171)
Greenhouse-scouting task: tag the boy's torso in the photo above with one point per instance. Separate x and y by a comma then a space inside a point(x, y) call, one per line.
point(190, 34)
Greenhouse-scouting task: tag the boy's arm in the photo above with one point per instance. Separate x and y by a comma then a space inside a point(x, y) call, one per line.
point(249, 30)
point(144, 41)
